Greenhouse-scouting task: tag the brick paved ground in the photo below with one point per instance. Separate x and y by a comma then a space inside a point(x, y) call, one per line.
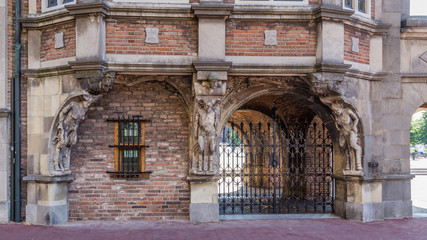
point(288, 229)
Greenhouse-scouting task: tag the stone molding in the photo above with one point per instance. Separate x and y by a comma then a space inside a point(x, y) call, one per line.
point(332, 13)
point(48, 72)
point(97, 7)
point(40, 21)
point(202, 179)
point(271, 13)
point(212, 10)
point(212, 66)
point(47, 179)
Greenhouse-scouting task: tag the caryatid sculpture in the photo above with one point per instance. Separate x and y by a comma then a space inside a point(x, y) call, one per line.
point(206, 124)
point(346, 121)
point(65, 130)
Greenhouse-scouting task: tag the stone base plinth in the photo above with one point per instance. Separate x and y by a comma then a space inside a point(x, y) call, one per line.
point(204, 212)
point(46, 215)
point(47, 199)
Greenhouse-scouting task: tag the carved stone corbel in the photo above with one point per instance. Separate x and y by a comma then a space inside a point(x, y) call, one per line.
point(96, 81)
point(64, 132)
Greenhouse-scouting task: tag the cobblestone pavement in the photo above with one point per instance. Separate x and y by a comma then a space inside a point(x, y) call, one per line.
point(287, 229)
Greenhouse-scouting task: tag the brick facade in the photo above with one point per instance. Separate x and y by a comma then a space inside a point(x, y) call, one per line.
point(48, 50)
point(364, 41)
point(94, 195)
point(128, 37)
point(247, 39)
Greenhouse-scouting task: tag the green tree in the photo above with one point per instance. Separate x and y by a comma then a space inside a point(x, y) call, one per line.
point(419, 130)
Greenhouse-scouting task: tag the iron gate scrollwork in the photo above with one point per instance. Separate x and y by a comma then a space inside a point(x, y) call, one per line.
point(276, 167)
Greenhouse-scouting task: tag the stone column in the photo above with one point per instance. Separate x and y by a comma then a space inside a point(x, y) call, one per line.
point(209, 84)
point(393, 124)
point(4, 118)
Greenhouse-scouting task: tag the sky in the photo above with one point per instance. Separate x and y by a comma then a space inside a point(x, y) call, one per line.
point(419, 7)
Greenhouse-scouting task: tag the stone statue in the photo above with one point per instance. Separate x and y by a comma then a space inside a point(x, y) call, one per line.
point(346, 122)
point(206, 124)
point(69, 119)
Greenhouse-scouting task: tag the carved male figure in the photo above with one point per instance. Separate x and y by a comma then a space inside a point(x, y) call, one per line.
point(346, 121)
point(66, 132)
point(206, 120)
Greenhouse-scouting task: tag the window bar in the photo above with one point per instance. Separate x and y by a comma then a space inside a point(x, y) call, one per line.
point(138, 164)
point(120, 152)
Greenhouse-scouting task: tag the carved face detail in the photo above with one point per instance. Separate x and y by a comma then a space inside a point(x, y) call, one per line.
point(209, 105)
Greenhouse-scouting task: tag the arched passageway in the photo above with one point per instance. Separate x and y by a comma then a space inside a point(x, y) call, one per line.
point(276, 156)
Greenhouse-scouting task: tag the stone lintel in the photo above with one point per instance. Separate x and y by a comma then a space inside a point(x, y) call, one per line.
point(212, 66)
point(332, 13)
point(4, 113)
point(98, 6)
point(212, 10)
point(48, 179)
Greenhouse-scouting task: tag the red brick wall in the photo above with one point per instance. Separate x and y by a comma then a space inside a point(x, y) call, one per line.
point(128, 37)
point(364, 40)
point(373, 9)
point(48, 50)
point(247, 39)
point(95, 196)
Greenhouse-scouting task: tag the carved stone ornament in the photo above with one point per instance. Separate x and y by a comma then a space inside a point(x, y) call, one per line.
point(96, 81)
point(206, 124)
point(64, 132)
point(347, 121)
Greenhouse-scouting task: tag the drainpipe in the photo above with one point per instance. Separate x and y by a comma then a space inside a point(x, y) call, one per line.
point(16, 123)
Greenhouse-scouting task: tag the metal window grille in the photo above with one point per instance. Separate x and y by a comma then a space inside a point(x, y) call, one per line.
point(129, 147)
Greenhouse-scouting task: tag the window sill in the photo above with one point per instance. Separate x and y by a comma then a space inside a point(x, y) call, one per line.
point(130, 175)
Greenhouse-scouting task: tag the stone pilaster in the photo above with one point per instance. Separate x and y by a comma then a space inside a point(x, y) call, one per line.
point(4, 117)
point(4, 165)
point(209, 84)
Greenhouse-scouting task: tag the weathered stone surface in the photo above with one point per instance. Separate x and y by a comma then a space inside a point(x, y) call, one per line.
point(151, 35)
point(270, 37)
point(59, 40)
point(204, 212)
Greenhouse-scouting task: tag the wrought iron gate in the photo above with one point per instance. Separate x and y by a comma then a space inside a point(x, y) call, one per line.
point(275, 167)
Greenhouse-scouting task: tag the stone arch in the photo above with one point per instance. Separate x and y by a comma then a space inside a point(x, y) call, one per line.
point(173, 84)
point(63, 132)
point(340, 117)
